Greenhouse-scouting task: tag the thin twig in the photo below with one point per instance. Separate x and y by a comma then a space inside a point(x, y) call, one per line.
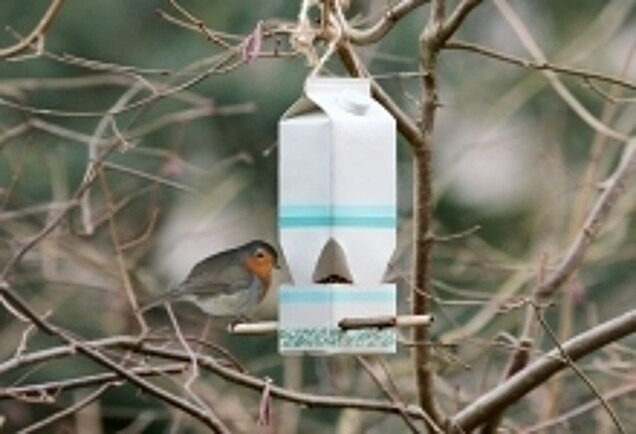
point(197, 23)
point(93, 154)
point(67, 411)
point(194, 366)
point(455, 19)
point(522, 351)
point(36, 33)
point(13, 132)
point(124, 273)
point(389, 394)
point(585, 74)
point(53, 222)
point(207, 417)
point(33, 392)
point(533, 48)
point(145, 235)
point(581, 409)
point(223, 64)
point(390, 17)
point(129, 343)
point(536, 374)
point(405, 125)
point(149, 176)
point(457, 236)
point(608, 408)
point(606, 95)
point(613, 189)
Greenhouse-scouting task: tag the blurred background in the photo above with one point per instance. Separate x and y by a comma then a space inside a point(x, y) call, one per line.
point(196, 173)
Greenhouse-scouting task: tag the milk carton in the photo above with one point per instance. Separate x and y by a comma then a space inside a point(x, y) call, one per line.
point(337, 218)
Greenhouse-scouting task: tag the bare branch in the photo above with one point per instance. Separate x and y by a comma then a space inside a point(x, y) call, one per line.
point(423, 212)
point(535, 374)
point(208, 418)
point(257, 385)
point(149, 176)
point(578, 371)
point(565, 417)
point(54, 222)
point(133, 344)
point(221, 64)
point(124, 273)
point(391, 395)
point(533, 48)
point(36, 33)
point(613, 189)
point(390, 17)
point(67, 411)
point(456, 19)
point(405, 124)
point(539, 66)
point(36, 391)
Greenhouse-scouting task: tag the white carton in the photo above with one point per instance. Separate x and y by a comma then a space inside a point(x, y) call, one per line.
point(337, 190)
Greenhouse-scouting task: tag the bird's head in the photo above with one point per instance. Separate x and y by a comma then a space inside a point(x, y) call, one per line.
point(260, 258)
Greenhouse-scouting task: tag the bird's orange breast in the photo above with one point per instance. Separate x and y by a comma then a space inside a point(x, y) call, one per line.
point(262, 269)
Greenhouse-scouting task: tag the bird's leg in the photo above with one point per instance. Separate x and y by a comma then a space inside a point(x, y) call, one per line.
point(239, 319)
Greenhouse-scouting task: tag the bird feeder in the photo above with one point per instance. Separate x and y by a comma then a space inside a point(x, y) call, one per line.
point(337, 219)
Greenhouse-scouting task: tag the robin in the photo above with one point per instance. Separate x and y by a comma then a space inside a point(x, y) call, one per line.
point(229, 283)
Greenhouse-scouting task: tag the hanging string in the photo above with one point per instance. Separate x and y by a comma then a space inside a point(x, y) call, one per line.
point(333, 30)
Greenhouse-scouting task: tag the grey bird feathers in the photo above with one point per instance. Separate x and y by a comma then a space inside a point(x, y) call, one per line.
point(228, 283)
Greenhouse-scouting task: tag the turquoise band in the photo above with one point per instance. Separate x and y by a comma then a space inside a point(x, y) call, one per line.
point(374, 295)
point(358, 216)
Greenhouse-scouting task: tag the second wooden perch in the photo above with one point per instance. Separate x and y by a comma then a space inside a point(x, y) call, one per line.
point(269, 327)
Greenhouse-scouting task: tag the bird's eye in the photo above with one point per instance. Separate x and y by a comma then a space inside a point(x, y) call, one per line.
point(260, 254)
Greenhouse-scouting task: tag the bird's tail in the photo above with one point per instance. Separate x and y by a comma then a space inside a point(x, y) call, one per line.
point(158, 300)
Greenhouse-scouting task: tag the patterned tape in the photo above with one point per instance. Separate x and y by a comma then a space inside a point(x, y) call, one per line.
point(307, 339)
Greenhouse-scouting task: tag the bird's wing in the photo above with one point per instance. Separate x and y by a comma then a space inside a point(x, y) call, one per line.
point(216, 275)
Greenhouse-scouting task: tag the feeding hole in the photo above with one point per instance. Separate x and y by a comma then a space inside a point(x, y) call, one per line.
point(332, 265)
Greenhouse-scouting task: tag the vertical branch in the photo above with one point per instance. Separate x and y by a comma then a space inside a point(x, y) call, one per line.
point(435, 34)
point(437, 31)
point(420, 141)
point(422, 212)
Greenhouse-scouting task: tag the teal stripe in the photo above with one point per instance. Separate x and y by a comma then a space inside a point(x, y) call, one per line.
point(304, 221)
point(356, 295)
point(368, 216)
point(344, 221)
point(368, 222)
point(303, 210)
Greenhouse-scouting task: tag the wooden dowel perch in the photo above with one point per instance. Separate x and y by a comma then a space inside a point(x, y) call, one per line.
point(267, 327)
point(384, 322)
point(253, 328)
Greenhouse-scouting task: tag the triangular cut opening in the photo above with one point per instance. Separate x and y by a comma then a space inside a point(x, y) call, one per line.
point(332, 265)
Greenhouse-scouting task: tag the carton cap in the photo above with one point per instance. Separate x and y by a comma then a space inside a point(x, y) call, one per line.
point(354, 102)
